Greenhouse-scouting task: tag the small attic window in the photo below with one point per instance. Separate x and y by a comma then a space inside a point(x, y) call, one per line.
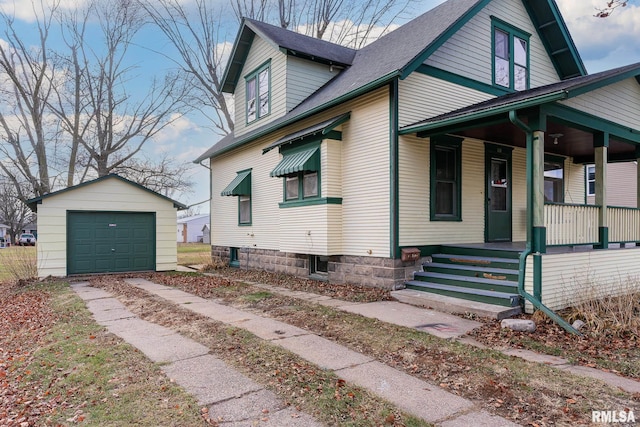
point(510, 56)
point(258, 88)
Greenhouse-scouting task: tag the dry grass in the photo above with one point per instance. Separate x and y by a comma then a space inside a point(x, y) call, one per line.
point(194, 254)
point(18, 263)
point(614, 315)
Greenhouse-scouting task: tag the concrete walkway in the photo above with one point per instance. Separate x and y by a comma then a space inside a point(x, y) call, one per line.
point(227, 390)
point(232, 398)
point(450, 326)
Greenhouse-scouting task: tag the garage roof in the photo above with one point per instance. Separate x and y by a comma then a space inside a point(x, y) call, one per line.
point(33, 203)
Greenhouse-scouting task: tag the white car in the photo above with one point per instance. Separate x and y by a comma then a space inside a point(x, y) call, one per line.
point(27, 239)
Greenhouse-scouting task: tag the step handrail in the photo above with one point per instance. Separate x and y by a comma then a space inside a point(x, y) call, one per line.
point(537, 303)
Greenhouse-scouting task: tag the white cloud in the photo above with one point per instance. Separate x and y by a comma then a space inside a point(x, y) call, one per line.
point(603, 42)
point(29, 10)
point(178, 133)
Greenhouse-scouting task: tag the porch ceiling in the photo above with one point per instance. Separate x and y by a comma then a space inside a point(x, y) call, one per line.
point(574, 143)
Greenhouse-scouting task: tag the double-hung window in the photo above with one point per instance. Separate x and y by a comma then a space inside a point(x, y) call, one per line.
point(446, 179)
point(591, 180)
point(258, 88)
point(510, 57)
point(240, 186)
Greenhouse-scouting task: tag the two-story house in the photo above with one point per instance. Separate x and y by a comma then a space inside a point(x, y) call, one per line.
point(459, 140)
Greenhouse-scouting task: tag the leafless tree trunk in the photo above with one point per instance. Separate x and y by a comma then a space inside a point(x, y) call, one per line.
point(25, 71)
point(196, 37)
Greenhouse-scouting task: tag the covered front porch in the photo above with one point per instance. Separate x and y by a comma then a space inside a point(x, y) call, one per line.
point(569, 246)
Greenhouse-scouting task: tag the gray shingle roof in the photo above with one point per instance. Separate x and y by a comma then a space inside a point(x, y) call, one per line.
point(305, 45)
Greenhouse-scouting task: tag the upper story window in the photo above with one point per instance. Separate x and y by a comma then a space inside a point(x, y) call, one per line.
point(258, 93)
point(510, 57)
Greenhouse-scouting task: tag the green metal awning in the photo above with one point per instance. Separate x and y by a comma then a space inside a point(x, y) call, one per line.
point(240, 186)
point(324, 129)
point(298, 161)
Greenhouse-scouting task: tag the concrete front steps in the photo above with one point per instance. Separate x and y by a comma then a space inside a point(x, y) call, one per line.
point(460, 275)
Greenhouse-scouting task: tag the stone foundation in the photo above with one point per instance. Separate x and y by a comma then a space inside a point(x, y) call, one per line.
point(359, 270)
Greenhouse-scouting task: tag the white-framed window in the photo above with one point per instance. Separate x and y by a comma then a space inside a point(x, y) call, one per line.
point(590, 175)
point(258, 88)
point(244, 210)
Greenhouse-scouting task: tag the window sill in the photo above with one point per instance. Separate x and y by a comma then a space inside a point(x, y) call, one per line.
point(321, 277)
point(235, 264)
point(449, 219)
point(311, 202)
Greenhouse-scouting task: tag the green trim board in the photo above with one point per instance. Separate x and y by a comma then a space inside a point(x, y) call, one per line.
point(461, 80)
point(33, 203)
point(394, 171)
point(462, 118)
point(589, 122)
point(311, 202)
point(447, 149)
point(240, 185)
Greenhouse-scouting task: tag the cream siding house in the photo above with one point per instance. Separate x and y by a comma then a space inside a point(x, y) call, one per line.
point(106, 225)
point(448, 156)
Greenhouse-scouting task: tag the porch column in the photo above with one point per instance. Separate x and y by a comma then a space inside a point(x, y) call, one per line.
point(539, 230)
point(601, 145)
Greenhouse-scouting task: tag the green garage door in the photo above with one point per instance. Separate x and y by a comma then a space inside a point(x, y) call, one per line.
point(107, 242)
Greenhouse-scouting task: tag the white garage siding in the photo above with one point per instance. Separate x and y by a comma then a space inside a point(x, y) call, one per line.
point(110, 194)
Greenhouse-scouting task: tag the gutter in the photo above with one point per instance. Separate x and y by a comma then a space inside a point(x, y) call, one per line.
point(488, 111)
point(535, 299)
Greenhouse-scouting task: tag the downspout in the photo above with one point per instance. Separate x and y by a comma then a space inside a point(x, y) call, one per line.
point(535, 299)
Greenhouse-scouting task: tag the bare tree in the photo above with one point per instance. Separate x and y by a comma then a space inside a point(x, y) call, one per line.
point(163, 176)
point(13, 211)
point(196, 36)
point(102, 115)
point(611, 6)
point(26, 72)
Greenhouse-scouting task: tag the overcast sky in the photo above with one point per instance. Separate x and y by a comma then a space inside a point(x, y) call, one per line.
point(602, 43)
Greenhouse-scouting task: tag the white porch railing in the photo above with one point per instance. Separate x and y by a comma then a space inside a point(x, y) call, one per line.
point(624, 224)
point(571, 224)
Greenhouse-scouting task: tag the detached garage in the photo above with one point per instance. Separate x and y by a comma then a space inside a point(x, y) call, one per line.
point(108, 225)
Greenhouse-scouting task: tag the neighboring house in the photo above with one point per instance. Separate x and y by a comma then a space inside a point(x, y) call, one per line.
point(206, 234)
point(190, 228)
point(31, 228)
point(4, 235)
point(106, 225)
point(622, 184)
point(438, 142)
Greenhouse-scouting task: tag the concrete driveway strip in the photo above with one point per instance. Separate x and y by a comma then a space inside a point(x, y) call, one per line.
point(439, 324)
point(236, 400)
point(322, 352)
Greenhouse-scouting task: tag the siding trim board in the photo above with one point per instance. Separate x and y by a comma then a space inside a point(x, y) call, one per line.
point(448, 76)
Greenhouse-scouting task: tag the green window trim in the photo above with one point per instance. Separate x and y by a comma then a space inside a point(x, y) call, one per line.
point(510, 55)
point(234, 259)
point(258, 93)
point(300, 170)
point(311, 202)
point(448, 148)
point(240, 187)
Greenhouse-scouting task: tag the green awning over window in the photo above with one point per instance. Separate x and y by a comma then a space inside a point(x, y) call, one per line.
point(298, 161)
point(240, 186)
